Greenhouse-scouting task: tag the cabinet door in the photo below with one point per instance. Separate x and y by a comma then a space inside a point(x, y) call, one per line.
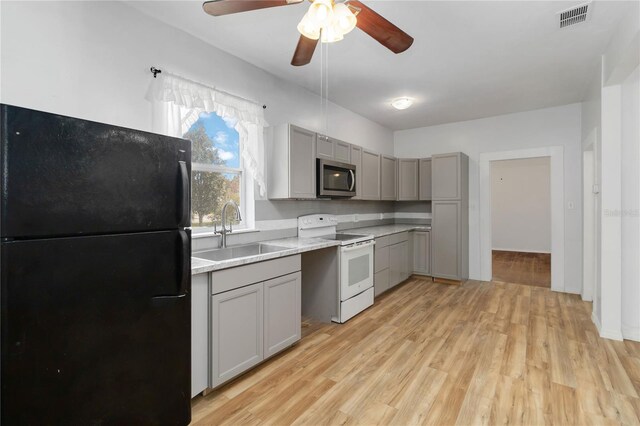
point(420, 255)
point(302, 163)
point(236, 332)
point(381, 281)
point(408, 177)
point(282, 315)
point(388, 176)
point(445, 240)
point(342, 151)
point(370, 175)
point(425, 179)
point(407, 260)
point(445, 175)
point(396, 262)
point(356, 159)
point(325, 148)
point(199, 333)
point(428, 255)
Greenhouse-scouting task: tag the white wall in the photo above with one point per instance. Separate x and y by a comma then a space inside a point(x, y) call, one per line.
point(521, 205)
point(558, 126)
point(91, 60)
point(631, 206)
point(610, 122)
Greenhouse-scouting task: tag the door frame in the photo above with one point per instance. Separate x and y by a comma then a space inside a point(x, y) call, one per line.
point(588, 224)
point(556, 154)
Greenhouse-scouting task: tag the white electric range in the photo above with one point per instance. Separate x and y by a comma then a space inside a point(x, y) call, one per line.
point(355, 287)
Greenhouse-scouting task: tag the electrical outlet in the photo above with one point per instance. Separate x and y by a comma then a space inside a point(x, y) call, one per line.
point(571, 205)
point(355, 218)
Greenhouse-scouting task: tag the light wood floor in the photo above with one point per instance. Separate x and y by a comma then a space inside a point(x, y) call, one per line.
point(479, 353)
point(522, 268)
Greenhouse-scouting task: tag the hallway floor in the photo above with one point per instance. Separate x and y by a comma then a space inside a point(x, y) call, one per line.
point(426, 353)
point(522, 268)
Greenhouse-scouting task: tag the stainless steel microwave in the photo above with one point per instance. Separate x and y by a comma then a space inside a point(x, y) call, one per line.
point(335, 179)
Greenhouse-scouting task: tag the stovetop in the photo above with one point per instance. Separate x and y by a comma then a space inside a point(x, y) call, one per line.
point(347, 238)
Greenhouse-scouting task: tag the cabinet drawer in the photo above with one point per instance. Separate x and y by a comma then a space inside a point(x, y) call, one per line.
point(398, 238)
point(381, 258)
point(383, 241)
point(381, 281)
point(232, 278)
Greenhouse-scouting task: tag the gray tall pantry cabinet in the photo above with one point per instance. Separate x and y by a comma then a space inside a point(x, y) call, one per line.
point(450, 216)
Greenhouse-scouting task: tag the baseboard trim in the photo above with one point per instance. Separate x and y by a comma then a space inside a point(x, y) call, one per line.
point(521, 251)
point(631, 333)
point(606, 333)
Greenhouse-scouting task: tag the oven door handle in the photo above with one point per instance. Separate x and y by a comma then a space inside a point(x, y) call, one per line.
point(353, 180)
point(358, 247)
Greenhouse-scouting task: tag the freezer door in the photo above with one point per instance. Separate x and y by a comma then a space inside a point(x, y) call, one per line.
point(65, 176)
point(96, 330)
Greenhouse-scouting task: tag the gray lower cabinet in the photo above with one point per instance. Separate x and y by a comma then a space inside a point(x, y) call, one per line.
point(291, 163)
point(356, 159)
point(199, 333)
point(282, 313)
point(393, 261)
point(421, 252)
point(425, 179)
point(370, 173)
point(388, 176)
point(449, 257)
point(237, 332)
point(408, 179)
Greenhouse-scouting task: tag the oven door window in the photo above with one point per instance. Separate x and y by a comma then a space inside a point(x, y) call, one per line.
point(359, 269)
point(336, 179)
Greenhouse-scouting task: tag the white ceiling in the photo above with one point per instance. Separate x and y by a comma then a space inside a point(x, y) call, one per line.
point(470, 59)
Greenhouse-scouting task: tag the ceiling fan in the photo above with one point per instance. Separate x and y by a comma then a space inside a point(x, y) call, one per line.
point(326, 21)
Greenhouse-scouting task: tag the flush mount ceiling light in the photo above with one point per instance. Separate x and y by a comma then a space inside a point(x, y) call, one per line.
point(402, 103)
point(326, 21)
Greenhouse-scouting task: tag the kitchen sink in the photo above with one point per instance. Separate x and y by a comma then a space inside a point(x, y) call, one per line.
point(238, 252)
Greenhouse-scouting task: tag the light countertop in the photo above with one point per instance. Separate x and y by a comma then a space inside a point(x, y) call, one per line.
point(297, 245)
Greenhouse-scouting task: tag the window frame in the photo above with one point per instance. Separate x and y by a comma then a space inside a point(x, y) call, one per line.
point(246, 191)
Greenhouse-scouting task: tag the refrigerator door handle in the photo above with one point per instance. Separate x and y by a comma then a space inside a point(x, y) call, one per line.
point(185, 264)
point(185, 204)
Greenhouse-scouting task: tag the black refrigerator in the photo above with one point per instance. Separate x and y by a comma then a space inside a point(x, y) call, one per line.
point(95, 268)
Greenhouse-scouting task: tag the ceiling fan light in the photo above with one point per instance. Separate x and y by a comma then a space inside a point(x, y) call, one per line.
point(331, 33)
point(308, 28)
point(402, 103)
point(321, 12)
point(345, 19)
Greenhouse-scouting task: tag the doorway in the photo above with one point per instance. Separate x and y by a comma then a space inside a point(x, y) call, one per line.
point(521, 221)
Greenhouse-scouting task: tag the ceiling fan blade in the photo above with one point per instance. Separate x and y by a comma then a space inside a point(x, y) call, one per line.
point(227, 7)
point(380, 29)
point(304, 51)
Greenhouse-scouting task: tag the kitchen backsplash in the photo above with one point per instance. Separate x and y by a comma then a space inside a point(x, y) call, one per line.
point(278, 219)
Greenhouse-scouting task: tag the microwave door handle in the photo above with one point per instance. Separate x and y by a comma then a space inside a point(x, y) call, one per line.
point(353, 180)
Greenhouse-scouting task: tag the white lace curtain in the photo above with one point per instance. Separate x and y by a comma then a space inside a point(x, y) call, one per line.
point(179, 101)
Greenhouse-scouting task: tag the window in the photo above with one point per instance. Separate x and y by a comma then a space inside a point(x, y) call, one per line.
point(216, 172)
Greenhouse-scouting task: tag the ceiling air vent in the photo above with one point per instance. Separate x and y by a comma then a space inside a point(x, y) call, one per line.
point(575, 15)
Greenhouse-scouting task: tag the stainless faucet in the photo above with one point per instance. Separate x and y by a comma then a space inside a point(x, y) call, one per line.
point(223, 233)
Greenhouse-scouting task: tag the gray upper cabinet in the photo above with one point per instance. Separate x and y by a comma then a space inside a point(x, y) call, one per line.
point(425, 179)
point(370, 175)
point(388, 175)
point(237, 332)
point(282, 313)
point(408, 177)
point(329, 148)
point(342, 151)
point(356, 159)
point(291, 163)
point(448, 173)
point(325, 148)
